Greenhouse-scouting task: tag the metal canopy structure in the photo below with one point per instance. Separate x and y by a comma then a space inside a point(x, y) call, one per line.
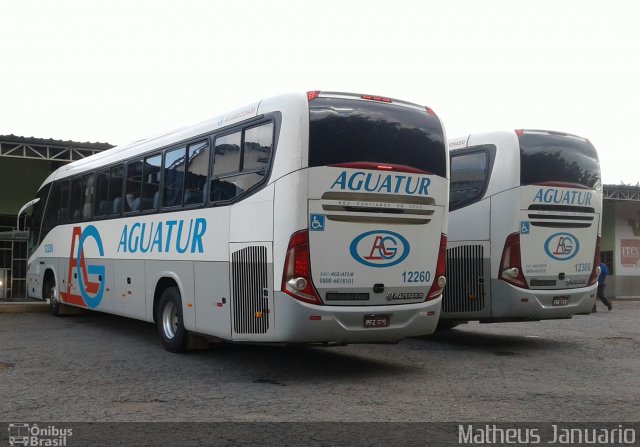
point(47, 149)
point(621, 192)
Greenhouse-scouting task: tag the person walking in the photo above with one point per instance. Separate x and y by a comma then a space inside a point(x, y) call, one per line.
point(602, 279)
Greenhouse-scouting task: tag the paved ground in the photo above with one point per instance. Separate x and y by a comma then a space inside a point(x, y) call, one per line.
point(105, 368)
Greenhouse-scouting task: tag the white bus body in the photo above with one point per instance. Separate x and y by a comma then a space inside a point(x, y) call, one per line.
point(317, 218)
point(524, 227)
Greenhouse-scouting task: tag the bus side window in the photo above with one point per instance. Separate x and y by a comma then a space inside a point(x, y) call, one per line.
point(258, 142)
point(251, 165)
point(197, 169)
point(151, 182)
point(116, 181)
point(50, 218)
point(174, 162)
point(132, 198)
point(76, 201)
point(87, 196)
point(469, 175)
point(102, 195)
point(226, 163)
point(37, 217)
point(63, 209)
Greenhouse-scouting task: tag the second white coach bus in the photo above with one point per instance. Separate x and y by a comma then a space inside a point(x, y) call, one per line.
point(524, 227)
point(305, 218)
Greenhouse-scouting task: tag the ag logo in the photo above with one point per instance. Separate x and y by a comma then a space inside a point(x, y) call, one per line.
point(379, 248)
point(90, 292)
point(562, 246)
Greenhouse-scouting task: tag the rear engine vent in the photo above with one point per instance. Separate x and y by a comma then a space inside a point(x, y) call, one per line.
point(465, 279)
point(250, 290)
point(561, 216)
point(378, 208)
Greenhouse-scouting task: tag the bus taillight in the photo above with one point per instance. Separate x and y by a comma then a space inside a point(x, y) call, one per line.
point(511, 264)
point(595, 272)
point(296, 279)
point(439, 280)
point(313, 95)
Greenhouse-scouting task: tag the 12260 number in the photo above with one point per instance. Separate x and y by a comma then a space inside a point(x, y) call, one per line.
point(416, 276)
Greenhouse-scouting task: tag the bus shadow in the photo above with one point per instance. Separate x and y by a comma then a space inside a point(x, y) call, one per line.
point(483, 342)
point(279, 365)
point(268, 364)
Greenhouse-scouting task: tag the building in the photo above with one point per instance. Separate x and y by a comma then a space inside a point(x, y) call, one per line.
point(620, 244)
point(24, 164)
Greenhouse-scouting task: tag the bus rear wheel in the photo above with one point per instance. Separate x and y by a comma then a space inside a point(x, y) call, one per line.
point(170, 323)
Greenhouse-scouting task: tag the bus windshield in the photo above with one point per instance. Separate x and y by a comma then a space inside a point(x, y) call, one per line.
point(547, 158)
point(347, 131)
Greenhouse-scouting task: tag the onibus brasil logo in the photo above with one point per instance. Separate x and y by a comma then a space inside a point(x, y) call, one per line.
point(561, 246)
point(91, 292)
point(379, 248)
point(32, 435)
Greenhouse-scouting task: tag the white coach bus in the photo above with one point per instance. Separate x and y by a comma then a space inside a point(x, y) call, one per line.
point(305, 218)
point(524, 227)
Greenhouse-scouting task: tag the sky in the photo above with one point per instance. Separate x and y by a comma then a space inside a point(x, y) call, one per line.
point(116, 71)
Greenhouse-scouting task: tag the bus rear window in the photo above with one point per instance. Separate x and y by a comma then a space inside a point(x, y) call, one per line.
point(350, 131)
point(546, 158)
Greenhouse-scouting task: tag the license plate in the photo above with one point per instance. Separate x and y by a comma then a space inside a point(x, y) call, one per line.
point(377, 320)
point(560, 300)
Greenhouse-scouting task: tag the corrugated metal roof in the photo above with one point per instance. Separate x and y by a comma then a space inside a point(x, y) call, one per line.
point(51, 142)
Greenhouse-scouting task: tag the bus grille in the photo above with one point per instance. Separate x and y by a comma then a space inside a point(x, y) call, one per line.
point(250, 290)
point(561, 216)
point(465, 279)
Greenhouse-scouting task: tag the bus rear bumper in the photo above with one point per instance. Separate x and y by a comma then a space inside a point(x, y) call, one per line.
point(513, 302)
point(300, 322)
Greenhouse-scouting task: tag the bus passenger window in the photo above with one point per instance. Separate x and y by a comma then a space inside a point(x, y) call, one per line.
point(116, 179)
point(235, 171)
point(87, 196)
point(257, 148)
point(174, 161)
point(51, 212)
point(226, 163)
point(63, 210)
point(76, 202)
point(134, 186)
point(103, 207)
point(197, 169)
point(469, 174)
point(151, 182)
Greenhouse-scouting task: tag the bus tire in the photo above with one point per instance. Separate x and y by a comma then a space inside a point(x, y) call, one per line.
point(169, 320)
point(49, 293)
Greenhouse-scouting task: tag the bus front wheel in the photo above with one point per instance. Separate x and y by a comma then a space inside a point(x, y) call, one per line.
point(49, 293)
point(170, 321)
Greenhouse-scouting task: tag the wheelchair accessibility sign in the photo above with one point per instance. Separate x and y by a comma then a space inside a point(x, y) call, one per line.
point(316, 222)
point(525, 227)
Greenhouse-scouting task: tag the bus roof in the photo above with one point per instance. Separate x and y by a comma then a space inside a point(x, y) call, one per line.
point(462, 141)
point(164, 139)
